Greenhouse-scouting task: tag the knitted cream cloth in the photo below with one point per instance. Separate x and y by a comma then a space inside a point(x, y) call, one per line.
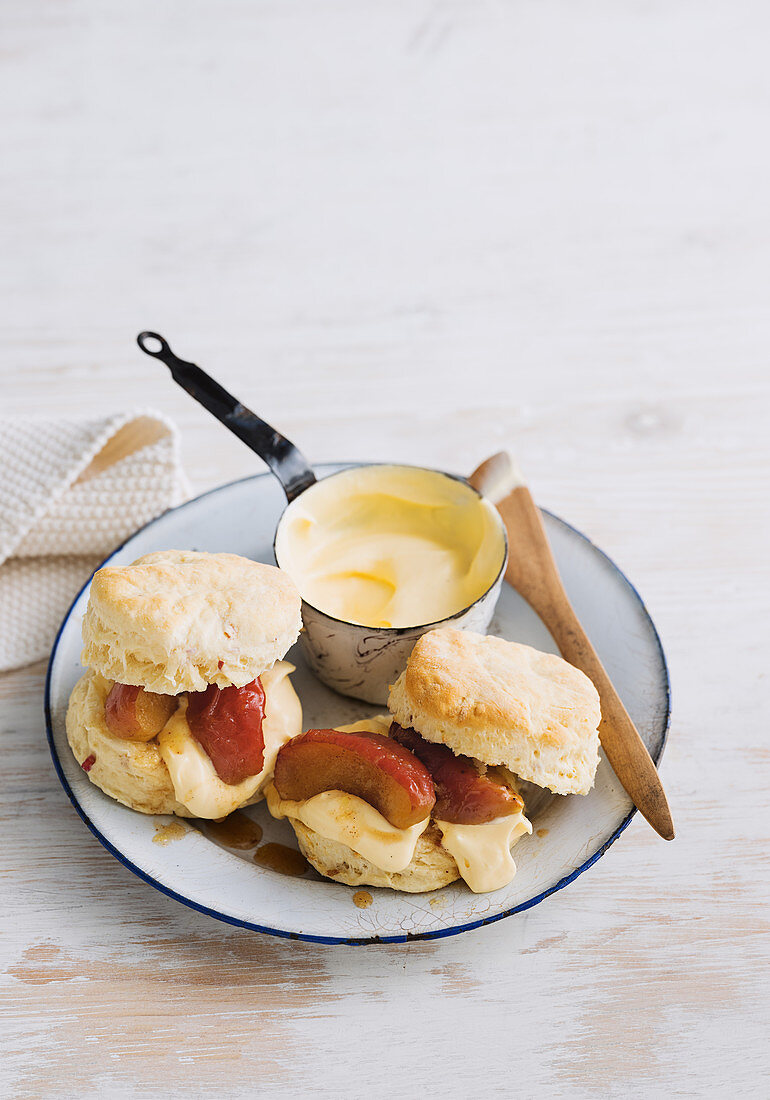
point(70, 492)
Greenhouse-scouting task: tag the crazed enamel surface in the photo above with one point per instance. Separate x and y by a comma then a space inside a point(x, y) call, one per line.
point(568, 832)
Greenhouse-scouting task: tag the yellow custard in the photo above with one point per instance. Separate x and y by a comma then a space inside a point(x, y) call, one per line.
point(390, 546)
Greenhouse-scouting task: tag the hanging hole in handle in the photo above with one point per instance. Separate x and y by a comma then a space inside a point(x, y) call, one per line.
point(147, 341)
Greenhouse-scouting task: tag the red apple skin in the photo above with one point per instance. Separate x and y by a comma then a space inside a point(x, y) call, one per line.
point(463, 797)
point(134, 714)
point(368, 765)
point(227, 723)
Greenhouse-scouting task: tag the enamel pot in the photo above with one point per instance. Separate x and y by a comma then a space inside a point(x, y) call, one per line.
point(359, 661)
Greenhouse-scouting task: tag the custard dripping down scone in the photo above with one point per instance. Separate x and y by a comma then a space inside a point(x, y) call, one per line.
point(473, 713)
point(186, 700)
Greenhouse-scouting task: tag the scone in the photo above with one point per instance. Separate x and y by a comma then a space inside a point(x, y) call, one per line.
point(186, 700)
point(429, 793)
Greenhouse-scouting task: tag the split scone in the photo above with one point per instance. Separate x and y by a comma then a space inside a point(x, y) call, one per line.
point(186, 700)
point(429, 793)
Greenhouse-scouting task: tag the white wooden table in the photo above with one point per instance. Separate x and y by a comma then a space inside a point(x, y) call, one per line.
point(422, 231)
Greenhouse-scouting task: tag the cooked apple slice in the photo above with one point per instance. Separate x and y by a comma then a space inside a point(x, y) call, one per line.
point(369, 765)
point(135, 714)
point(463, 795)
point(227, 722)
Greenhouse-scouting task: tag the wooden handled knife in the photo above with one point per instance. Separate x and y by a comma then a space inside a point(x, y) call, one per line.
point(533, 573)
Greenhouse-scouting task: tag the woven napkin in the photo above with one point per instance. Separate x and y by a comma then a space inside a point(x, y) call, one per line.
point(70, 493)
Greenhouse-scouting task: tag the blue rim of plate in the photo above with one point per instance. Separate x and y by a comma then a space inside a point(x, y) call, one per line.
point(350, 941)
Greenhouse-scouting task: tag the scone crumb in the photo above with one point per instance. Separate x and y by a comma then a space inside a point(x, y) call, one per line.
point(362, 899)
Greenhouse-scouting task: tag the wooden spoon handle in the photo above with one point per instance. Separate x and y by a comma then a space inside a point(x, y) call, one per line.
point(533, 573)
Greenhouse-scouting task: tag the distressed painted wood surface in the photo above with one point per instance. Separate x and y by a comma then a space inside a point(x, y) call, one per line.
point(424, 231)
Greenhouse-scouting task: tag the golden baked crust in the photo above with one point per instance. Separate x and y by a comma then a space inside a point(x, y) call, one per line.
point(503, 703)
point(179, 620)
point(431, 868)
point(132, 772)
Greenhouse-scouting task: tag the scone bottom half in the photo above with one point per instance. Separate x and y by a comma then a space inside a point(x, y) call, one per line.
point(178, 621)
point(375, 804)
point(187, 700)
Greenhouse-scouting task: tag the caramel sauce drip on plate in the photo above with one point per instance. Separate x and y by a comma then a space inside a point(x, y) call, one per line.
point(237, 830)
point(277, 857)
point(164, 834)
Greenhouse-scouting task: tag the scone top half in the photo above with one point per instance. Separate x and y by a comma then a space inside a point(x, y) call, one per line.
point(179, 620)
point(504, 704)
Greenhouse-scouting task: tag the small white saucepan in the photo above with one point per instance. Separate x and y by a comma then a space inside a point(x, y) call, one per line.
point(371, 548)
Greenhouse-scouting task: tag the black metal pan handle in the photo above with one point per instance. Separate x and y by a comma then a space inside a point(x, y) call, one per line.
point(287, 462)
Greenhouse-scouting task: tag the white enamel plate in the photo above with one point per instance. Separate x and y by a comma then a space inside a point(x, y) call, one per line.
point(569, 835)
